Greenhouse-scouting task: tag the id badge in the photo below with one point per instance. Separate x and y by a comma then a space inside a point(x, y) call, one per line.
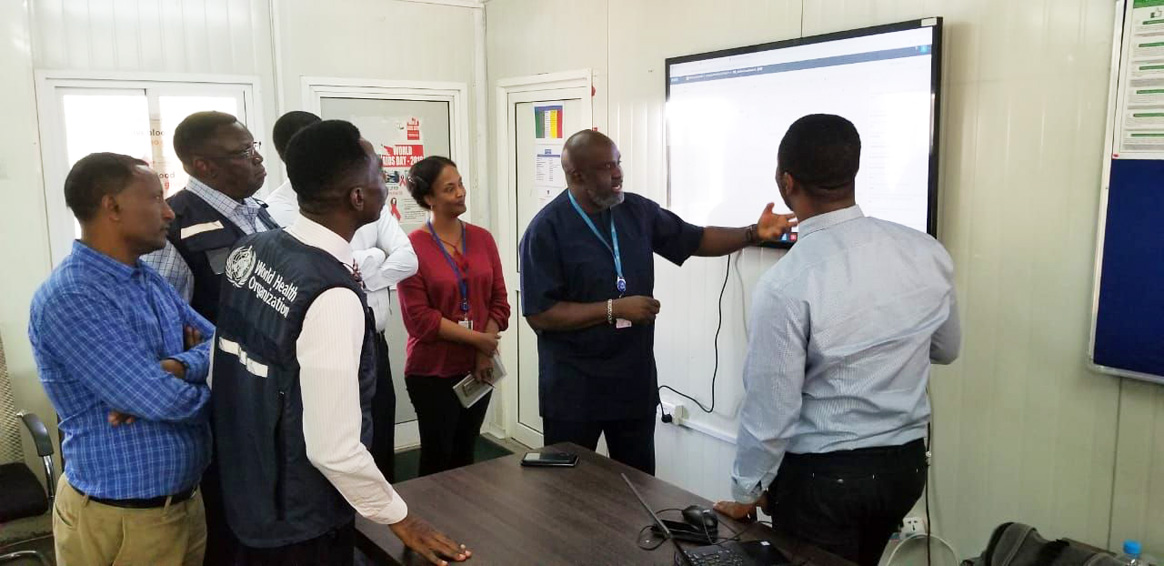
point(466, 324)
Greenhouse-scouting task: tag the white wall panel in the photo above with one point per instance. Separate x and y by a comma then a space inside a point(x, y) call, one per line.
point(159, 37)
point(24, 252)
point(1139, 493)
point(192, 36)
point(534, 37)
point(374, 39)
point(382, 40)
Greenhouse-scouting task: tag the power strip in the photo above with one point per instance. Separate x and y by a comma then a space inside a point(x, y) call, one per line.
point(678, 412)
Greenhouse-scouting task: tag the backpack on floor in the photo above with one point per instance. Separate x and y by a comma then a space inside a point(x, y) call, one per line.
point(1016, 544)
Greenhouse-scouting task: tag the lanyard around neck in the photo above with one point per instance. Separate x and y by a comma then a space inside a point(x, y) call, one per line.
point(620, 281)
point(461, 282)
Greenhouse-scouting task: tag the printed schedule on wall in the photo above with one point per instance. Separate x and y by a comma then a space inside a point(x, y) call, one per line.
point(1140, 122)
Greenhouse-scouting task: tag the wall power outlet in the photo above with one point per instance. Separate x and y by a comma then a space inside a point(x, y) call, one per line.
point(913, 525)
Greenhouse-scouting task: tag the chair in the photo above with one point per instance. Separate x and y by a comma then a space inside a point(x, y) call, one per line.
point(21, 495)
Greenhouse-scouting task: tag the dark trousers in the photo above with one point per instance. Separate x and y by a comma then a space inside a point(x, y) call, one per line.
point(848, 502)
point(384, 413)
point(448, 431)
point(631, 441)
point(334, 548)
point(222, 547)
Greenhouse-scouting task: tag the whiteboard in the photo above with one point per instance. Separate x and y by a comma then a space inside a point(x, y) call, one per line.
point(728, 110)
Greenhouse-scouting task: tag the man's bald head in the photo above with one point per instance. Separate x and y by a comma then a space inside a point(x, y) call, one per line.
point(576, 152)
point(591, 162)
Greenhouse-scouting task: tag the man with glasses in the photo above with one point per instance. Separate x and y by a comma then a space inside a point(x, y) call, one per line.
point(213, 212)
point(215, 209)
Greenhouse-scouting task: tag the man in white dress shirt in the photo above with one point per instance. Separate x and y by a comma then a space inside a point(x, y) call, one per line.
point(385, 257)
point(294, 368)
point(283, 203)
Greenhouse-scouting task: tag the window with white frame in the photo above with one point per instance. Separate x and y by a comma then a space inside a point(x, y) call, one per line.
point(135, 116)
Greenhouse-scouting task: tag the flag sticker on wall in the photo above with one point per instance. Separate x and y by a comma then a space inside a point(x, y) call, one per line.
point(548, 122)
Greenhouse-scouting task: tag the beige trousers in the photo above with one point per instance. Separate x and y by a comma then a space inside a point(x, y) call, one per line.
point(88, 533)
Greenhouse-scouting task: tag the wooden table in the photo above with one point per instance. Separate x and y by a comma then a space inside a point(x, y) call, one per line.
point(510, 515)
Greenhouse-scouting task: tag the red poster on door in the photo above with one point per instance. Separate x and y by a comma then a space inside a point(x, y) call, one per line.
point(402, 156)
point(412, 130)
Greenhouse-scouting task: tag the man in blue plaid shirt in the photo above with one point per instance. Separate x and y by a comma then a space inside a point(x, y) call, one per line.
point(121, 357)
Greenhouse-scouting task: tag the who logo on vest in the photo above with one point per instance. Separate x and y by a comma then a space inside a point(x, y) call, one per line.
point(240, 265)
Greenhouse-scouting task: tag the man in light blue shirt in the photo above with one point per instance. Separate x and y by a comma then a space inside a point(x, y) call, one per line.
point(844, 330)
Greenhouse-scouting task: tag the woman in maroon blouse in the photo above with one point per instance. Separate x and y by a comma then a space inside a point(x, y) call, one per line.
point(454, 309)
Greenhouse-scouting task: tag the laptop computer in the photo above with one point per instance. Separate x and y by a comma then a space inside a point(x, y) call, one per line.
point(731, 553)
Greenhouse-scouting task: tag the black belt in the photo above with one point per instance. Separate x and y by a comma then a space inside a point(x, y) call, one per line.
point(877, 459)
point(149, 503)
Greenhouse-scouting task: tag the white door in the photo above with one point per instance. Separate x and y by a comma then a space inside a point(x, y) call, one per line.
point(539, 117)
point(405, 125)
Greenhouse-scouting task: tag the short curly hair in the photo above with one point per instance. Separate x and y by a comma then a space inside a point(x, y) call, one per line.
point(97, 175)
point(320, 157)
point(823, 153)
point(288, 125)
point(195, 130)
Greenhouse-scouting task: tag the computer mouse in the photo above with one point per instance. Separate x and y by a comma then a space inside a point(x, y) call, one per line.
point(701, 517)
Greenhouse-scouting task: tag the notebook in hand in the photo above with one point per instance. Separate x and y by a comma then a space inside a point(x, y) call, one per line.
point(469, 390)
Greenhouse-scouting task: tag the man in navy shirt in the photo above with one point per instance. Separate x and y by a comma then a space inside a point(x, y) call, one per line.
point(587, 276)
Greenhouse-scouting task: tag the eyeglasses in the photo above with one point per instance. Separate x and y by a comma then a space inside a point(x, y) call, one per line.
point(249, 153)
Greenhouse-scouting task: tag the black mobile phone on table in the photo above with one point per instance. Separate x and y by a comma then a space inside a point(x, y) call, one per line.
point(549, 459)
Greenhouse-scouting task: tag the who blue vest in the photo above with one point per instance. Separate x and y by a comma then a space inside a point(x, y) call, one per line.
point(273, 495)
point(205, 251)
